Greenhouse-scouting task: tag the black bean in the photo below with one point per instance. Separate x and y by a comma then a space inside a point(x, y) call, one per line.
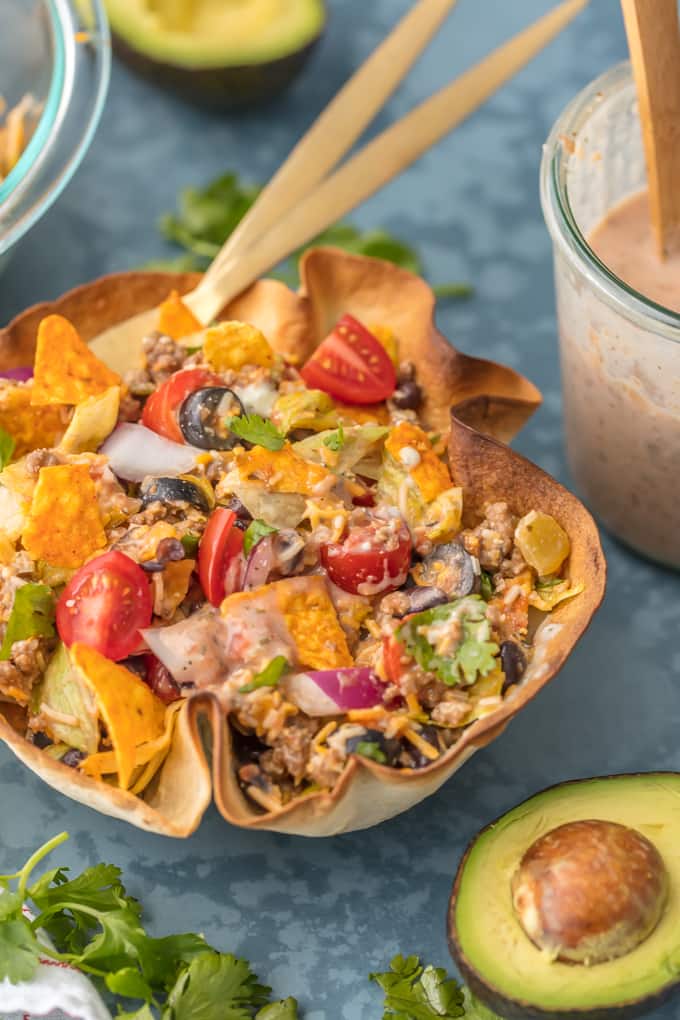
point(408, 396)
point(420, 599)
point(73, 757)
point(513, 663)
point(41, 740)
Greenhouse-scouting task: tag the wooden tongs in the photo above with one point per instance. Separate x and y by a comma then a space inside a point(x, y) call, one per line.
point(304, 197)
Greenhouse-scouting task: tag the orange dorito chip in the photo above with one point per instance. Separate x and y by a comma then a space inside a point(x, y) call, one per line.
point(65, 370)
point(30, 427)
point(283, 471)
point(64, 525)
point(131, 712)
point(412, 450)
point(175, 319)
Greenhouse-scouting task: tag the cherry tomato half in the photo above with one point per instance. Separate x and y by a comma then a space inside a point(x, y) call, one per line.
point(352, 365)
point(105, 605)
point(160, 410)
point(373, 559)
point(220, 560)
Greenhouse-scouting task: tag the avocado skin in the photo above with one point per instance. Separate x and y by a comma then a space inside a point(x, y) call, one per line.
point(517, 1009)
point(219, 88)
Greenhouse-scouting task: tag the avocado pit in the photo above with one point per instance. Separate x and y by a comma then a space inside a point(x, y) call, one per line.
point(589, 891)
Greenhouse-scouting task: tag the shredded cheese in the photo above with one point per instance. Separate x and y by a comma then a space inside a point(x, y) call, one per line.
point(423, 746)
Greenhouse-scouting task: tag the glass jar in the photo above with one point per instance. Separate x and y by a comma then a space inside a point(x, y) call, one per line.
point(619, 350)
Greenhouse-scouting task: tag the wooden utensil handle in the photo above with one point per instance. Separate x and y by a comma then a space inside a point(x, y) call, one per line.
point(379, 161)
point(338, 126)
point(654, 43)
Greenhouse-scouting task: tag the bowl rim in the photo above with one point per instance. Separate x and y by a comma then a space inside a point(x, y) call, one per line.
point(72, 25)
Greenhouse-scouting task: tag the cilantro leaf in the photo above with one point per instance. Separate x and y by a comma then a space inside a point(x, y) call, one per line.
point(414, 992)
point(336, 440)
point(19, 951)
point(207, 216)
point(129, 983)
point(256, 530)
point(269, 677)
point(256, 430)
point(7, 446)
point(371, 749)
point(475, 654)
point(162, 959)
point(215, 986)
point(32, 614)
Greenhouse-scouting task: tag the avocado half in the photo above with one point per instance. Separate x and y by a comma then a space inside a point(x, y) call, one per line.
point(221, 53)
point(501, 963)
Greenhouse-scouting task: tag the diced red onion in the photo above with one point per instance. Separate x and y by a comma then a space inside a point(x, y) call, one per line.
point(260, 564)
point(21, 374)
point(135, 452)
point(334, 691)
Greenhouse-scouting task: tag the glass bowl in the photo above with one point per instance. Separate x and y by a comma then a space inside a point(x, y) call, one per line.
point(59, 52)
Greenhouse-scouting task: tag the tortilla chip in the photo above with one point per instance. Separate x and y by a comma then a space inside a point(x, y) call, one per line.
point(313, 623)
point(231, 345)
point(65, 369)
point(64, 525)
point(132, 713)
point(430, 474)
point(282, 471)
point(30, 427)
point(149, 756)
point(94, 419)
point(362, 414)
point(309, 614)
point(175, 319)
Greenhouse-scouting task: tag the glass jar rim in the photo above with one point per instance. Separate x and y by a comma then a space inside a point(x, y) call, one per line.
point(561, 221)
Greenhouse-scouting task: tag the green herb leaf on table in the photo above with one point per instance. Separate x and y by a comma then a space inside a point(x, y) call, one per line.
point(207, 216)
point(269, 677)
point(19, 950)
point(216, 986)
point(256, 430)
point(7, 446)
point(286, 1009)
point(414, 992)
point(32, 615)
point(256, 530)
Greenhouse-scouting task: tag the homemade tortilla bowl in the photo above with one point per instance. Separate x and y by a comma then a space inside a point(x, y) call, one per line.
point(482, 403)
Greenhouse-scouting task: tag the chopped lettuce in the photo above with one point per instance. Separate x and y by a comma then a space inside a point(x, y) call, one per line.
point(304, 409)
point(440, 518)
point(360, 451)
point(452, 641)
point(32, 615)
point(7, 446)
point(62, 691)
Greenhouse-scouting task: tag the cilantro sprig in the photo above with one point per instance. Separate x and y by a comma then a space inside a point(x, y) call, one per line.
point(207, 216)
point(415, 992)
point(96, 926)
point(336, 440)
point(473, 656)
point(256, 430)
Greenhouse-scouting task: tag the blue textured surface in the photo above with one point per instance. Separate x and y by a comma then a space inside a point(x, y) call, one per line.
point(315, 916)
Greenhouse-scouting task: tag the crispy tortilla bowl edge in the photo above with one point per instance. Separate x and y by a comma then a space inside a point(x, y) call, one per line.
point(483, 394)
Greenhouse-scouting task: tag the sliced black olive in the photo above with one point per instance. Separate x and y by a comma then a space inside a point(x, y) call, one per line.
point(202, 419)
point(416, 759)
point(72, 758)
point(376, 743)
point(241, 511)
point(288, 550)
point(513, 663)
point(175, 490)
point(420, 599)
point(41, 740)
point(451, 568)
